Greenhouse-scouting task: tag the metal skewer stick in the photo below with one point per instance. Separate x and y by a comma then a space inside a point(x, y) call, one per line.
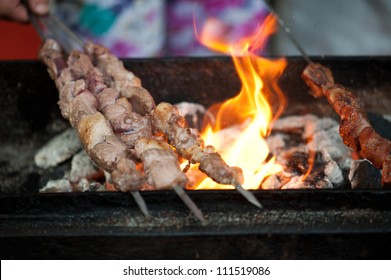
point(140, 202)
point(189, 203)
point(248, 195)
point(287, 32)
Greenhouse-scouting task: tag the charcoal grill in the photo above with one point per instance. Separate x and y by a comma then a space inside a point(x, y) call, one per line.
point(295, 224)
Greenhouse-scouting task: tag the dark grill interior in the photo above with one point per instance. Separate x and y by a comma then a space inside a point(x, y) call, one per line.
point(340, 223)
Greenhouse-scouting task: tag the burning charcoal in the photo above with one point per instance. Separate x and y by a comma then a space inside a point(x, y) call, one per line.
point(363, 175)
point(334, 173)
point(59, 149)
point(83, 167)
point(381, 124)
point(331, 141)
point(297, 162)
point(332, 170)
point(324, 183)
point(318, 124)
point(60, 185)
point(294, 124)
point(387, 117)
point(297, 183)
point(272, 182)
point(84, 185)
point(276, 143)
point(64, 185)
point(194, 114)
point(277, 147)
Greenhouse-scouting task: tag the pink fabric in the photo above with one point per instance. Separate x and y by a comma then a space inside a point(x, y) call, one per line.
point(153, 28)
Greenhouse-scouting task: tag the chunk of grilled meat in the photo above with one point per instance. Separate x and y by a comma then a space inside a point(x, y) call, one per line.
point(127, 124)
point(188, 144)
point(160, 164)
point(118, 77)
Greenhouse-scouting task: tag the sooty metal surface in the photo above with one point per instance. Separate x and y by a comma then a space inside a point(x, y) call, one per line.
point(294, 224)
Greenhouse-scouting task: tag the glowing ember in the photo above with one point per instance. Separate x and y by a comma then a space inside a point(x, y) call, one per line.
point(243, 121)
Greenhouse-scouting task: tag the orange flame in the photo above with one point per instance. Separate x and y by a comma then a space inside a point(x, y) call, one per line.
point(243, 121)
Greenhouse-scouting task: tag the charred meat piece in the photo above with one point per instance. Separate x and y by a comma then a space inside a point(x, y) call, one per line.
point(223, 173)
point(125, 178)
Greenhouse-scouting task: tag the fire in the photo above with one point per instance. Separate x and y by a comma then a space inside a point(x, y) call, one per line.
point(242, 122)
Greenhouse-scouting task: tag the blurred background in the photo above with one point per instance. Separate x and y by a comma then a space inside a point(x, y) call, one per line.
point(153, 28)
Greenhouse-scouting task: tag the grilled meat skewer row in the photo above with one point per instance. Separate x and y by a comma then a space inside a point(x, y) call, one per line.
point(127, 125)
point(80, 107)
point(355, 128)
point(130, 86)
point(128, 113)
point(186, 141)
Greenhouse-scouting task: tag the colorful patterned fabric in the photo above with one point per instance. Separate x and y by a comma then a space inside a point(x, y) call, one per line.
point(240, 17)
point(145, 28)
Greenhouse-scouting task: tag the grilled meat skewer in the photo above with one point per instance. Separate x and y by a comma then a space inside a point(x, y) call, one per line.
point(355, 128)
point(80, 107)
point(118, 125)
point(130, 86)
point(167, 120)
point(160, 163)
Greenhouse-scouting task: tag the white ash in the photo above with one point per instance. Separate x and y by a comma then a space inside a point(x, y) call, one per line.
point(79, 178)
point(293, 123)
point(85, 185)
point(272, 182)
point(279, 147)
point(324, 183)
point(296, 136)
point(59, 149)
point(65, 185)
point(332, 170)
point(276, 142)
point(83, 167)
point(331, 141)
point(194, 114)
point(59, 185)
point(297, 183)
point(316, 124)
point(228, 136)
point(387, 117)
point(321, 133)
